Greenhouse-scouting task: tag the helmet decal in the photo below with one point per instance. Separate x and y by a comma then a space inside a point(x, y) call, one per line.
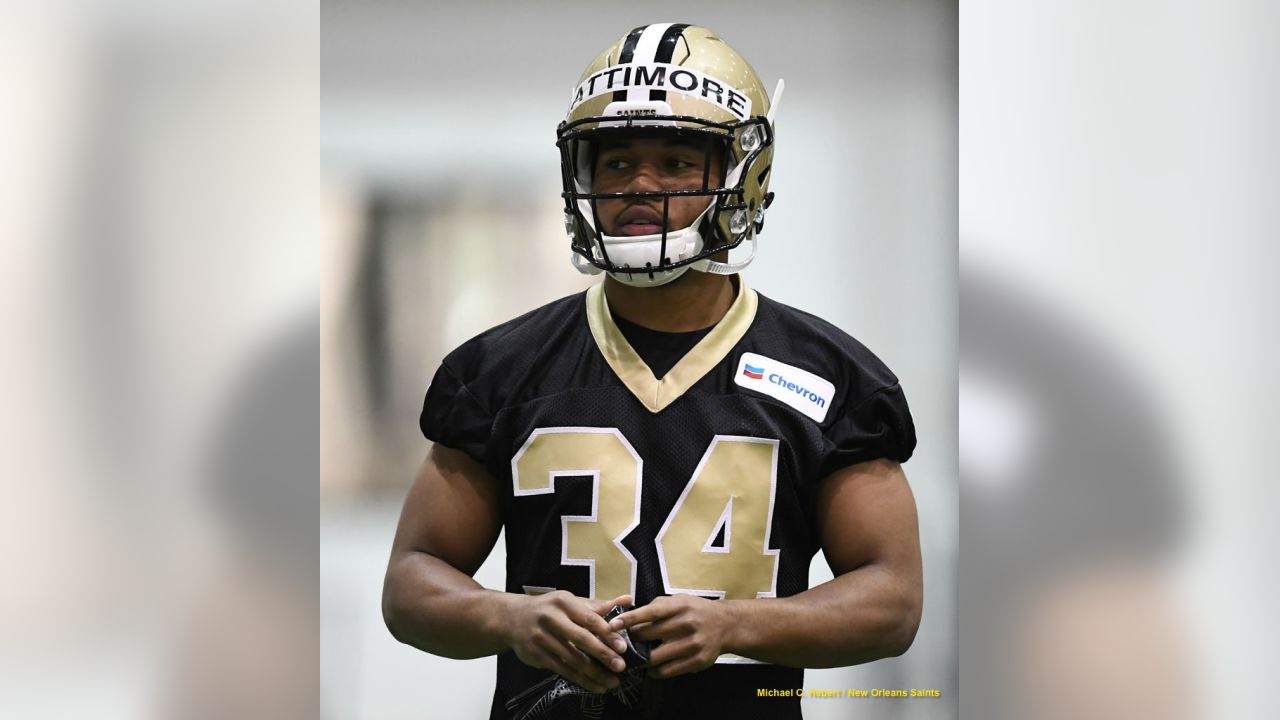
point(650, 83)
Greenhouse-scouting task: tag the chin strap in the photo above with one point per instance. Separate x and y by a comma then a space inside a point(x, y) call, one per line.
point(726, 268)
point(581, 265)
point(731, 268)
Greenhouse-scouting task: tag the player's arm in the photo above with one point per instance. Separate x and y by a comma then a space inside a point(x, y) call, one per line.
point(870, 610)
point(449, 524)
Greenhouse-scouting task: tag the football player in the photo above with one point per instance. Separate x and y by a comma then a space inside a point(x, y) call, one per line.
point(669, 441)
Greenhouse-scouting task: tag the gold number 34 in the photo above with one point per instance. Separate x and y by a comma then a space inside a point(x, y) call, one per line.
point(729, 496)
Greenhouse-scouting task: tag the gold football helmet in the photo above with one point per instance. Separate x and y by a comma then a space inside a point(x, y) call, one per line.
point(663, 79)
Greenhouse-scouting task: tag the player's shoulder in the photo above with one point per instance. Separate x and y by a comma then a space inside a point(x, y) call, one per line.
point(518, 341)
point(808, 341)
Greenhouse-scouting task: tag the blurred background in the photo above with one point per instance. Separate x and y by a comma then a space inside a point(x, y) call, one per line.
point(158, 309)
point(1118, 176)
point(442, 218)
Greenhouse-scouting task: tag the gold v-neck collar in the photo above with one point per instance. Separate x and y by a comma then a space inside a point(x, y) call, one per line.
point(657, 394)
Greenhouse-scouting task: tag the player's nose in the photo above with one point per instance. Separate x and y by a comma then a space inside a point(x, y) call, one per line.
point(645, 177)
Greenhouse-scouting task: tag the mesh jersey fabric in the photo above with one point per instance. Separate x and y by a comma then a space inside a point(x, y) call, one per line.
point(544, 370)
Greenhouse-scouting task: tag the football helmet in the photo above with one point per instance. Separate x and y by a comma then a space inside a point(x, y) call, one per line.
point(681, 80)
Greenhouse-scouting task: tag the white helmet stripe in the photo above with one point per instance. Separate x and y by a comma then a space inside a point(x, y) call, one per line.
point(646, 49)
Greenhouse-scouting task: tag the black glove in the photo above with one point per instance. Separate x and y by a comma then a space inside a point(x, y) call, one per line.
point(637, 653)
point(538, 700)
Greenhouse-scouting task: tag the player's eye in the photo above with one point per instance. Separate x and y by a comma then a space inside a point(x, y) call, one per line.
point(616, 163)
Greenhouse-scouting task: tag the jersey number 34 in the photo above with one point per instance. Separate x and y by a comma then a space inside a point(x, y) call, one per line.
point(714, 542)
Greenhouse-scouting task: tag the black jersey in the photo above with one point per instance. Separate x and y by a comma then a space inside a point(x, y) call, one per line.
point(703, 482)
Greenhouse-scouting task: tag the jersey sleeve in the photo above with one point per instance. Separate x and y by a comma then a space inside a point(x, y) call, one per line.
point(877, 426)
point(454, 417)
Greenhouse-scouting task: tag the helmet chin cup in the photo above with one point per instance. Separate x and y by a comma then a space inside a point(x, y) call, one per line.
point(644, 254)
point(647, 279)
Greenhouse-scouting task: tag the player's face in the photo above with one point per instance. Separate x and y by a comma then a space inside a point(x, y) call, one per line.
point(652, 164)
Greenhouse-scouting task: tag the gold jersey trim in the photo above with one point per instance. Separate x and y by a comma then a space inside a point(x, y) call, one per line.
point(656, 394)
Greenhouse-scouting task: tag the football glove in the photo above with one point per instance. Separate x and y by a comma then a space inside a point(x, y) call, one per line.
point(540, 699)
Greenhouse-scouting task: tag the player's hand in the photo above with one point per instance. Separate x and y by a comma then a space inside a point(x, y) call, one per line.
point(692, 631)
point(567, 635)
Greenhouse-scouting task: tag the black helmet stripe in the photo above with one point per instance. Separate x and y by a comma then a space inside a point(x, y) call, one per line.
point(666, 50)
point(628, 52)
point(629, 47)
